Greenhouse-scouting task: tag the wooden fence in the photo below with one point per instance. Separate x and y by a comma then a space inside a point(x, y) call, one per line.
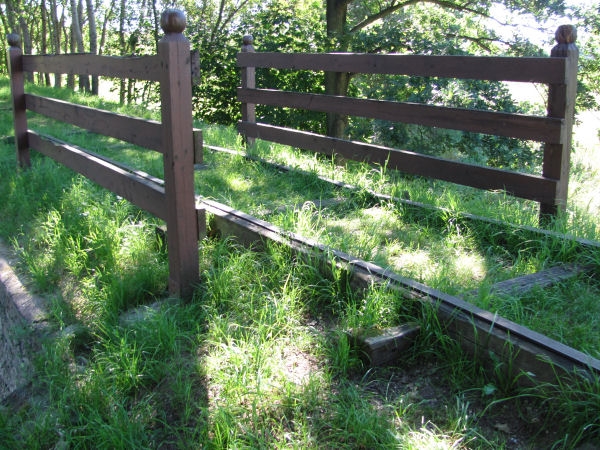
point(554, 130)
point(173, 199)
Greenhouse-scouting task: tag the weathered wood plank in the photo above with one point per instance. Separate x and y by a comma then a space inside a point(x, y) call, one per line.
point(178, 154)
point(136, 67)
point(526, 186)
point(533, 70)
point(137, 189)
point(545, 278)
point(248, 78)
point(561, 103)
point(17, 89)
point(385, 346)
point(198, 147)
point(543, 129)
point(145, 133)
point(478, 331)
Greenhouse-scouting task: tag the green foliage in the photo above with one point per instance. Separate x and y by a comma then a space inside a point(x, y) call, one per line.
point(494, 151)
point(423, 29)
point(214, 95)
point(287, 27)
point(589, 58)
point(426, 29)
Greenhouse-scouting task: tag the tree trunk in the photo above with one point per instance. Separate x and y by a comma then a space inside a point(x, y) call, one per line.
point(108, 17)
point(44, 37)
point(26, 42)
point(71, 49)
point(3, 51)
point(77, 36)
point(336, 83)
point(156, 23)
point(55, 36)
point(11, 15)
point(123, 45)
point(93, 40)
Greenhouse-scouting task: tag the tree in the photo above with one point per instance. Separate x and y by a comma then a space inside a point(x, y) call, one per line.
point(77, 38)
point(348, 21)
point(93, 36)
point(18, 16)
point(589, 63)
point(56, 32)
point(217, 35)
point(289, 26)
point(440, 31)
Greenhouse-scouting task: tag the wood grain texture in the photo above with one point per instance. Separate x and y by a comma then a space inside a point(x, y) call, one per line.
point(543, 129)
point(561, 104)
point(522, 185)
point(135, 188)
point(178, 161)
point(142, 132)
point(532, 70)
point(137, 67)
point(17, 87)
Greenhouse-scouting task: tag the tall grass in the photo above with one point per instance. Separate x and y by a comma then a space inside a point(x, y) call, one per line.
point(261, 357)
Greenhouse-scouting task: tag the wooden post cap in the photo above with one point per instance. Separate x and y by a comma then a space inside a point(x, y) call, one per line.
point(14, 40)
point(247, 43)
point(173, 21)
point(566, 34)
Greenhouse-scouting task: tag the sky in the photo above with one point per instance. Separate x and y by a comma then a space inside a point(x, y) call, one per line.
point(539, 33)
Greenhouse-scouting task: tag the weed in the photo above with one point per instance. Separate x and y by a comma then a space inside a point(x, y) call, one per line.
point(261, 357)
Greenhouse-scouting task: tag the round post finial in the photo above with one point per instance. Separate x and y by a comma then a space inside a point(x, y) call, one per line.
point(565, 36)
point(173, 21)
point(14, 39)
point(248, 43)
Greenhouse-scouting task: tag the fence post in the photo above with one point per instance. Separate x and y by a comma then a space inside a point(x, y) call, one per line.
point(178, 157)
point(17, 88)
point(561, 104)
point(248, 81)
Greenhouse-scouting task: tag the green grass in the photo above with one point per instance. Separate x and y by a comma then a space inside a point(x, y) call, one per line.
point(261, 358)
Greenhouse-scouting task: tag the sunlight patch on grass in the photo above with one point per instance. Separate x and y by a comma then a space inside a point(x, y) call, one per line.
point(417, 264)
point(469, 265)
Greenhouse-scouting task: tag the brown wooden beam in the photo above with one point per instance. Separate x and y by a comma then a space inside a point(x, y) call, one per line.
point(493, 68)
point(542, 129)
point(137, 189)
point(531, 187)
point(136, 67)
point(142, 132)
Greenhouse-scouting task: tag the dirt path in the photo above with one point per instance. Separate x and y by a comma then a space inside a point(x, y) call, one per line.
point(22, 317)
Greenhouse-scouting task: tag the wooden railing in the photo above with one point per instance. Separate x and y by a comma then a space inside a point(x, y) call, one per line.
point(171, 199)
point(554, 130)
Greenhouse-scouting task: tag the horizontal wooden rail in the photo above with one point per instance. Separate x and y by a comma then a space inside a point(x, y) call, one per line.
point(138, 67)
point(531, 187)
point(531, 70)
point(542, 129)
point(142, 132)
point(131, 186)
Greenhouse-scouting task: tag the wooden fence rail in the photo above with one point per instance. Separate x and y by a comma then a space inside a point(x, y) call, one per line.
point(554, 130)
point(172, 200)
